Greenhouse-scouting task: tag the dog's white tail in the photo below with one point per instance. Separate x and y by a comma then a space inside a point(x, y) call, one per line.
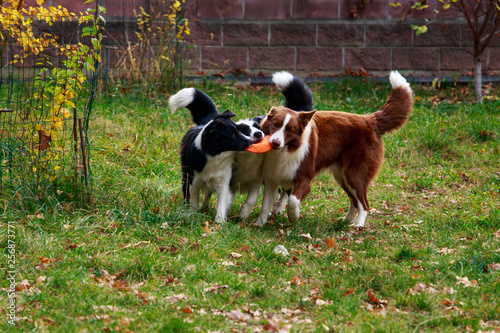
point(298, 96)
point(397, 80)
point(282, 80)
point(396, 110)
point(182, 99)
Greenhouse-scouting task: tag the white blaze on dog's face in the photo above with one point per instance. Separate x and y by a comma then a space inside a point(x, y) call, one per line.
point(285, 127)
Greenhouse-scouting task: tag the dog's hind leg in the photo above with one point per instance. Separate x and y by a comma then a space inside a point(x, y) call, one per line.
point(206, 201)
point(252, 196)
point(359, 202)
point(194, 193)
point(270, 191)
point(280, 205)
point(353, 201)
point(353, 207)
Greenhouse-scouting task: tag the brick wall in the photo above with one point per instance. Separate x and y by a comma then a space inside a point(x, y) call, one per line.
point(329, 37)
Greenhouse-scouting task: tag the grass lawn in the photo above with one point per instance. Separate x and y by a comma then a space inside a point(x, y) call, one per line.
point(136, 260)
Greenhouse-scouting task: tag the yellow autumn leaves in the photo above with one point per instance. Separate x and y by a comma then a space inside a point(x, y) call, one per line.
point(55, 91)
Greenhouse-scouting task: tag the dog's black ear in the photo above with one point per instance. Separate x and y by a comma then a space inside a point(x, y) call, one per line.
point(228, 114)
point(258, 119)
point(214, 127)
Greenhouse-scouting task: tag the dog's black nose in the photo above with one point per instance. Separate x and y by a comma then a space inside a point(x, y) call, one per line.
point(258, 136)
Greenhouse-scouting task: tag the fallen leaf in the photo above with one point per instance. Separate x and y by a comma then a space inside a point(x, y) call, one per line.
point(372, 298)
point(445, 250)
point(207, 228)
point(237, 315)
point(465, 282)
point(446, 302)
point(306, 236)
point(330, 242)
point(236, 255)
point(41, 279)
point(174, 298)
point(493, 267)
point(187, 310)
point(347, 292)
point(216, 287)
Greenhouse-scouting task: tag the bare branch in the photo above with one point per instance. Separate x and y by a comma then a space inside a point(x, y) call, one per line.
point(464, 10)
point(489, 9)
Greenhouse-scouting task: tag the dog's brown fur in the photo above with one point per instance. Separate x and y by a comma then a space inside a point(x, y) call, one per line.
point(348, 145)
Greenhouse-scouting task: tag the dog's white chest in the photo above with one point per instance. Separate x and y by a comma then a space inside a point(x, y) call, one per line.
point(216, 173)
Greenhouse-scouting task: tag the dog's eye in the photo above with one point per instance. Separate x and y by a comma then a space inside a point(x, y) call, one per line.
point(233, 136)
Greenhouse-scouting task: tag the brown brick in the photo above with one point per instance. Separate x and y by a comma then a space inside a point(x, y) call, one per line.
point(120, 9)
point(224, 57)
point(405, 12)
point(415, 58)
point(316, 9)
point(267, 10)
point(494, 56)
point(319, 58)
point(374, 9)
point(388, 34)
point(246, 34)
point(369, 58)
point(293, 34)
point(272, 58)
point(205, 33)
point(190, 10)
point(341, 34)
point(439, 35)
point(456, 59)
point(192, 58)
point(494, 41)
point(120, 32)
point(219, 9)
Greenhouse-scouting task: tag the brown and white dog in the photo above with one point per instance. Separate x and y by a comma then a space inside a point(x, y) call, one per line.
point(347, 145)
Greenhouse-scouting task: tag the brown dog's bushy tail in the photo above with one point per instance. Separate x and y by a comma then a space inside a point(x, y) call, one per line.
point(396, 110)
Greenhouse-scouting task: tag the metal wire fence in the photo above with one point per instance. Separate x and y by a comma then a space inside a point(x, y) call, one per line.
point(48, 83)
point(48, 77)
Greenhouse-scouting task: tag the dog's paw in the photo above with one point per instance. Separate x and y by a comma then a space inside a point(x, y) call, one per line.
point(293, 209)
point(357, 225)
point(260, 222)
point(244, 212)
point(220, 220)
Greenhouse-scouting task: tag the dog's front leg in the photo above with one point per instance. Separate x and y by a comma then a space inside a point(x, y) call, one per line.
point(222, 204)
point(270, 191)
point(300, 191)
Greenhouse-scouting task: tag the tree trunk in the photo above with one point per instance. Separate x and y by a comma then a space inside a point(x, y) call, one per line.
point(478, 79)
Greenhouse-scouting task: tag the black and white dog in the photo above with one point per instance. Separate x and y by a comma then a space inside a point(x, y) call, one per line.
point(207, 150)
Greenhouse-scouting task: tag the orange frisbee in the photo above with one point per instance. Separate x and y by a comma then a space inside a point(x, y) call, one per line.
point(261, 147)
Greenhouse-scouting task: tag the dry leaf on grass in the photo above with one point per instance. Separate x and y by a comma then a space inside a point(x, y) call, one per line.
point(236, 255)
point(127, 246)
point(493, 267)
point(306, 236)
point(237, 315)
point(347, 292)
point(465, 282)
point(216, 287)
point(174, 298)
